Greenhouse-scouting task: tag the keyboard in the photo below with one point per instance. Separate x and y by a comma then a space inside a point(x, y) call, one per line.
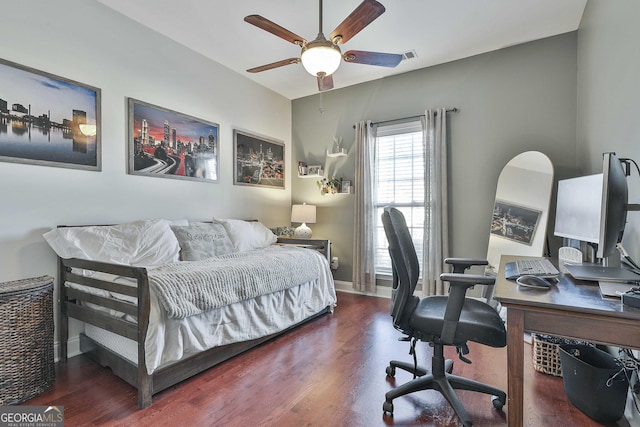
point(535, 267)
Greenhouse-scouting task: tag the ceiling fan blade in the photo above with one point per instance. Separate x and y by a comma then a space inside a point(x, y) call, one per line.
point(325, 83)
point(275, 29)
point(372, 58)
point(362, 16)
point(274, 65)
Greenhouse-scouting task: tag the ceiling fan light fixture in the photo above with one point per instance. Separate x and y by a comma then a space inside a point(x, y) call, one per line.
point(321, 57)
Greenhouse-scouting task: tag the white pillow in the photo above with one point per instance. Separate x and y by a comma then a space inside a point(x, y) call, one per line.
point(141, 244)
point(201, 240)
point(247, 235)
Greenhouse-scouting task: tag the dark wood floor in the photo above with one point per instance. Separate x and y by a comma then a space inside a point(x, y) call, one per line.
point(330, 372)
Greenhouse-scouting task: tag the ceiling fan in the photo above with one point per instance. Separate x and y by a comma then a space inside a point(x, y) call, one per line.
point(321, 57)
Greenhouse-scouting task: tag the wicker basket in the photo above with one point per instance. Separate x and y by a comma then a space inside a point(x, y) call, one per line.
point(26, 347)
point(546, 358)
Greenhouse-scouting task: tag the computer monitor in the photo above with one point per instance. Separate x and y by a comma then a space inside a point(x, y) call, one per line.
point(593, 208)
point(613, 217)
point(578, 208)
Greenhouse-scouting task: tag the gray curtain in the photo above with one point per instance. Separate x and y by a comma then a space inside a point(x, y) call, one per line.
point(364, 271)
point(436, 233)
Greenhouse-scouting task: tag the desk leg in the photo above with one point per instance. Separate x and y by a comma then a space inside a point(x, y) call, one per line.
point(515, 369)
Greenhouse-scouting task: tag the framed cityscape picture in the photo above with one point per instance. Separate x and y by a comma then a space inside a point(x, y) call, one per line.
point(168, 144)
point(514, 222)
point(48, 120)
point(258, 160)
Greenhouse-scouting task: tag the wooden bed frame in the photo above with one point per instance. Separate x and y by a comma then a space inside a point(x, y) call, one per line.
point(70, 305)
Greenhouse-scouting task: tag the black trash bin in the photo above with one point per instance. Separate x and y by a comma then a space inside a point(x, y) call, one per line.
point(594, 382)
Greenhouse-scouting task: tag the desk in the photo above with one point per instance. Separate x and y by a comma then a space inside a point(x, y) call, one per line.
point(571, 309)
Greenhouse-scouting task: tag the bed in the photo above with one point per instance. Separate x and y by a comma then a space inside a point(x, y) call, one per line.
point(113, 284)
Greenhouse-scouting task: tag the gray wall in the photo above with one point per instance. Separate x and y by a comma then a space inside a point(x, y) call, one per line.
point(513, 100)
point(609, 94)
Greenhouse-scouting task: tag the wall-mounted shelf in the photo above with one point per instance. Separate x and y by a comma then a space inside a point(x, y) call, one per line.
point(341, 153)
point(315, 175)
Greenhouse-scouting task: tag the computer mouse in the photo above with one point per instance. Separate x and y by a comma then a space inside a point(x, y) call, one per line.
point(534, 282)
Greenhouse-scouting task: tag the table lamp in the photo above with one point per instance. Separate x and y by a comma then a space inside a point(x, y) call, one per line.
point(303, 213)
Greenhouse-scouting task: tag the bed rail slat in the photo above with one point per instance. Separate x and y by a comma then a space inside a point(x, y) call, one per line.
point(102, 284)
point(123, 306)
point(117, 269)
point(102, 320)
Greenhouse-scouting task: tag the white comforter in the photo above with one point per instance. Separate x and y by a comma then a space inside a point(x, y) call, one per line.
point(193, 287)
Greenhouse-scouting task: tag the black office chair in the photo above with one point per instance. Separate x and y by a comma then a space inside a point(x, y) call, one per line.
point(439, 320)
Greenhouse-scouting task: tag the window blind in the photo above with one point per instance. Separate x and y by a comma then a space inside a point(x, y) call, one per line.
point(399, 182)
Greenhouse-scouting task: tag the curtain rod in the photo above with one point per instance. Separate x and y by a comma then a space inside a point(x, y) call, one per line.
point(448, 110)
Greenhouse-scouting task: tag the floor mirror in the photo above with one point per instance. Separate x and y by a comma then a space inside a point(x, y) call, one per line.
point(521, 210)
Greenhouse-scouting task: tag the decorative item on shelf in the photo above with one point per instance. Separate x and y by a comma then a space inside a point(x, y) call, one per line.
point(314, 170)
point(329, 185)
point(338, 144)
point(345, 187)
point(302, 168)
point(337, 150)
point(309, 171)
point(286, 231)
point(303, 213)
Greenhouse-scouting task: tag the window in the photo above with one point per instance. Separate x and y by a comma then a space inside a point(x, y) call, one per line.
point(399, 182)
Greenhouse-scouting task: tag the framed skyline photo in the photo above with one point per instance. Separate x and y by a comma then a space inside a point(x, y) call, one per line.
point(258, 160)
point(168, 144)
point(513, 222)
point(48, 120)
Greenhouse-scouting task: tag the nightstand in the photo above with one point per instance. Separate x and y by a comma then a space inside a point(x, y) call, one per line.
point(26, 347)
point(322, 246)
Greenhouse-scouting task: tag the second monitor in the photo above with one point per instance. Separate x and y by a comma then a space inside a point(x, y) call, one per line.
point(594, 209)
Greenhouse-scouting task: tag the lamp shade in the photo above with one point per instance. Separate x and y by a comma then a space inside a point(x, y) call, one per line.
point(321, 57)
point(303, 213)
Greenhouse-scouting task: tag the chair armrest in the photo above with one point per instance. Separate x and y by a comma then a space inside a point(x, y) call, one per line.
point(459, 283)
point(461, 264)
point(467, 280)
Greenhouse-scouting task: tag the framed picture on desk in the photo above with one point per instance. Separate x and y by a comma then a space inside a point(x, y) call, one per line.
point(514, 222)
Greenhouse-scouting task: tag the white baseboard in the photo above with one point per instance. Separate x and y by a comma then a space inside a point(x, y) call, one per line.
point(381, 291)
point(73, 348)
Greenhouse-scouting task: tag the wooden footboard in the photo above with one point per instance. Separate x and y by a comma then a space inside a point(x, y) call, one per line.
point(70, 303)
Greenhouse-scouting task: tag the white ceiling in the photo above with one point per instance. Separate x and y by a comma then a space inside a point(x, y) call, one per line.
point(438, 31)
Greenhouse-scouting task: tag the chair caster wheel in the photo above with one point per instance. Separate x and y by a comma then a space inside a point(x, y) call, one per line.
point(391, 371)
point(498, 402)
point(387, 407)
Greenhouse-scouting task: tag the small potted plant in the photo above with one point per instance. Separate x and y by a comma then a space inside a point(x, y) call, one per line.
point(285, 231)
point(329, 185)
